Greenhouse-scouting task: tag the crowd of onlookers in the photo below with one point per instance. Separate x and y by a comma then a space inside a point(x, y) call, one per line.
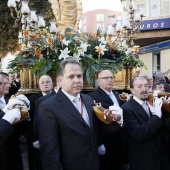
point(63, 133)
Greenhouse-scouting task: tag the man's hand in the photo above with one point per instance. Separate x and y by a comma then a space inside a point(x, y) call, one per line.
point(116, 110)
point(24, 99)
point(36, 144)
point(110, 117)
point(11, 104)
point(101, 150)
point(156, 92)
point(157, 106)
point(12, 115)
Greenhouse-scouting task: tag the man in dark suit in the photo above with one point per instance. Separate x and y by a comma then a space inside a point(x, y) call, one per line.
point(146, 144)
point(14, 85)
point(37, 103)
point(8, 159)
point(6, 129)
point(35, 131)
point(111, 135)
point(67, 125)
point(45, 85)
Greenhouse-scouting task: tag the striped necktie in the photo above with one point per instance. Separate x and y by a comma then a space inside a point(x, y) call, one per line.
point(145, 106)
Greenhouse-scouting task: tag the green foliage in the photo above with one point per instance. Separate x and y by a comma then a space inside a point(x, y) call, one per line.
point(83, 47)
point(9, 26)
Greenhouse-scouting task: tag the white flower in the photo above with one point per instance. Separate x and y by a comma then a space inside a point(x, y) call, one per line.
point(84, 46)
point(114, 38)
point(128, 51)
point(81, 52)
point(102, 40)
point(65, 42)
point(100, 49)
point(76, 38)
point(77, 56)
point(64, 54)
point(124, 44)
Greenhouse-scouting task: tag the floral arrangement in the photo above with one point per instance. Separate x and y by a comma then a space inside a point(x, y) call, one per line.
point(95, 52)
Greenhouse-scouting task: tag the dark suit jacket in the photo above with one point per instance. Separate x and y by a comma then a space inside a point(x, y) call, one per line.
point(146, 148)
point(101, 96)
point(66, 141)
point(6, 130)
point(10, 156)
point(33, 99)
point(110, 134)
point(37, 103)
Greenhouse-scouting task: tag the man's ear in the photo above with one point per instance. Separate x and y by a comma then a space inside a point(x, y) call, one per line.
point(132, 90)
point(59, 79)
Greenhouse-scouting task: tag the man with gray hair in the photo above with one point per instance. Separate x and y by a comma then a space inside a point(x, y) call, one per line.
point(45, 85)
point(8, 144)
point(110, 135)
point(149, 79)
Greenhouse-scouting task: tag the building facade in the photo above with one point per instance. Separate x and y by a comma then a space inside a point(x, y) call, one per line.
point(101, 18)
point(154, 36)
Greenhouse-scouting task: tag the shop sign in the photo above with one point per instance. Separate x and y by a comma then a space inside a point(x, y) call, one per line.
point(155, 24)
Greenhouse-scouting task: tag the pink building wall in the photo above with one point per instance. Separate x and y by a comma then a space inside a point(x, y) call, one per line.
point(90, 19)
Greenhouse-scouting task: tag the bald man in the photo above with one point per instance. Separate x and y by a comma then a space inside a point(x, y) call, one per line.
point(149, 79)
point(111, 135)
point(45, 85)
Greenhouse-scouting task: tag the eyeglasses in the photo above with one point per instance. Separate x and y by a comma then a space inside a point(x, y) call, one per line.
point(45, 82)
point(107, 78)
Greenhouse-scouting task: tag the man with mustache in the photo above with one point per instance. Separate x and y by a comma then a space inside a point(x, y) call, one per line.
point(67, 126)
point(143, 125)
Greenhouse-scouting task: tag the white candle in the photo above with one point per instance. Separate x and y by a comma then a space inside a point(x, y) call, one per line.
point(33, 16)
point(53, 28)
point(11, 4)
point(41, 22)
point(25, 8)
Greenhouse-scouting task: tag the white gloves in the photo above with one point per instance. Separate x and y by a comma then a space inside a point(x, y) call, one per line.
point(20, 100)
point(117, 111)
point(11, 104)
point(24, 99)
point(101, 150)
point(12, 115)
point(155, 93)
point(157, 106)
point(36, 144)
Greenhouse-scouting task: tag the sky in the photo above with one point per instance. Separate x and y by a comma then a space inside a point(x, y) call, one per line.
point(89, 5)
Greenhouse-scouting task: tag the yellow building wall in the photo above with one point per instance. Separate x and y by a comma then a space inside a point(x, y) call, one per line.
point(147, 59)
point(165, 60)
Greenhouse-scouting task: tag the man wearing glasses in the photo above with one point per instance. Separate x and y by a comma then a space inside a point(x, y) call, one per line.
point(111, 135)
